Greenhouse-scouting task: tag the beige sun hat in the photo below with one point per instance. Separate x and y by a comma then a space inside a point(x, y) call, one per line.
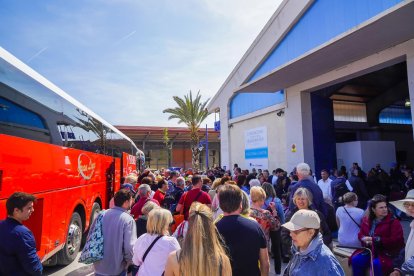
point(399, 203)
point(303, 219)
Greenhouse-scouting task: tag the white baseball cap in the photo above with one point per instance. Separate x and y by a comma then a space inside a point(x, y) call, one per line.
point(303, 219)
point(400, 203)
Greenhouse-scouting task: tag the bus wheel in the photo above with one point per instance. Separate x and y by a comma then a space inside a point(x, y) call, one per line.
point(73, 241)
point(96, 208)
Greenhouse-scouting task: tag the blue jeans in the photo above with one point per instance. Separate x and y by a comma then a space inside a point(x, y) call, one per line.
point(361, 262)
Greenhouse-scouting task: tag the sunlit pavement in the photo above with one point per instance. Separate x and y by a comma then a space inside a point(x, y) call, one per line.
point(74, 269)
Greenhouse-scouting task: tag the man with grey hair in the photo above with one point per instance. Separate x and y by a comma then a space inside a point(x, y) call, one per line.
point(306, 181)
point(254, 183)
point(144, 192)
point(178, 191)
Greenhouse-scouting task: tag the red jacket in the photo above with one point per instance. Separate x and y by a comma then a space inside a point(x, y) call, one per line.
point(391, 241)
point(159, 196)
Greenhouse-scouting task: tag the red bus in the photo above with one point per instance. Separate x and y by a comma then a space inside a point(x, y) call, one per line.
point(57, 149)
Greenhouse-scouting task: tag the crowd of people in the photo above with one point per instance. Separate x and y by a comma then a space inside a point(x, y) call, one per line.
point(232, 222)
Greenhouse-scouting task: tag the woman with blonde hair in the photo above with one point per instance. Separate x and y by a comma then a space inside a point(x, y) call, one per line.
point(348, 218)
point(275, 236)
point(215, 205)
point(202, 253)
point(152, 248)
point(268, 220)
point(142, 220)
point(216, 183)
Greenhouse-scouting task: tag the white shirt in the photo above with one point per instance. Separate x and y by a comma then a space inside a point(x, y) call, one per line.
point(409, 246)
point(349, 185)
point(182, 228)
point(156, 259)
point(348, 230)
point(274, 179)
point(215, 206)
point(326, 188)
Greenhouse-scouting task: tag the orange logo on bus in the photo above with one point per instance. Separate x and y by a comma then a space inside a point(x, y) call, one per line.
point(86, 167)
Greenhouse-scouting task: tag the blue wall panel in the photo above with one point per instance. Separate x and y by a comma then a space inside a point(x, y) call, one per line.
point(324, 20)
point(323, 127)
point(244, 103)
point(396, 115)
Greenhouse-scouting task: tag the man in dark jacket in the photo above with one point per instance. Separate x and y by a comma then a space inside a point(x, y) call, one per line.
point(17, 247)
point(360, 188)
point(306, 181)
point(339, 187)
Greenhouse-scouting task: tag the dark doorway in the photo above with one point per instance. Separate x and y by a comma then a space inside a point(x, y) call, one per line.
point(370, 107)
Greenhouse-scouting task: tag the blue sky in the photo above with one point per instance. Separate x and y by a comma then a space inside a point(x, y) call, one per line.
point(125, 59)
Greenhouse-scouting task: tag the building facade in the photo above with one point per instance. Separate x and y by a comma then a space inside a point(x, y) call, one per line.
point(176, 151)
point(322, 79)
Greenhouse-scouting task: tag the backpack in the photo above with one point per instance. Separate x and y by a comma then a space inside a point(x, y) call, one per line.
point(340, 188)
point(169, 201)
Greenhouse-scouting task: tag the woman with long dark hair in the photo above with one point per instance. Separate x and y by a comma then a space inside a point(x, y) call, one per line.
point(382, 234)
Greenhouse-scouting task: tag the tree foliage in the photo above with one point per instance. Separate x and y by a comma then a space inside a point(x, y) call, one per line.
point(192, 112)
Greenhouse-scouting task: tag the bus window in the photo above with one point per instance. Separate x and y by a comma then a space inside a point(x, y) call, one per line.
point(79, 130)
point(19, 121)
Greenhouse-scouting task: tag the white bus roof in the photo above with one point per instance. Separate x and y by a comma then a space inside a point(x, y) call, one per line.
point(24, 68)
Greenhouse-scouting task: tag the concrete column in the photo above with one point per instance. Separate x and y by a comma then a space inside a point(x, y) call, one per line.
point(307, 129)
point(298, 128)
point(225, 146)
point(410, 74)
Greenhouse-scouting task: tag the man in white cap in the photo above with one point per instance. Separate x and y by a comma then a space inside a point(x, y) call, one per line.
point(310, 255)
point(407, 205)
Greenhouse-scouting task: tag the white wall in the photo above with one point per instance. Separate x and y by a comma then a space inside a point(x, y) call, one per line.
point(377, 152)
point(276, 139)
point(348, 153)
point(366, 153)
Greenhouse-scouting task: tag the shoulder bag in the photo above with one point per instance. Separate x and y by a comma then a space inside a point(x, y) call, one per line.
point(93, 250)
point(135, 268)
point(359, 226)
point(180, 237)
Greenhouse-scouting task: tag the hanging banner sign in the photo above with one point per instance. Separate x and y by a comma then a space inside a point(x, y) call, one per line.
point(255, 148)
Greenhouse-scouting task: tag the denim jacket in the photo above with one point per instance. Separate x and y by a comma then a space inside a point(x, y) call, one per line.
point(317, 259)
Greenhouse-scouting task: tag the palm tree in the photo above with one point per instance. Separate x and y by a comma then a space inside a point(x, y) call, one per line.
point(191, 112)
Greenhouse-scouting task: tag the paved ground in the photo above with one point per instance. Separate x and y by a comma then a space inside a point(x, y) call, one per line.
point(74, 269)
point(77, 269)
